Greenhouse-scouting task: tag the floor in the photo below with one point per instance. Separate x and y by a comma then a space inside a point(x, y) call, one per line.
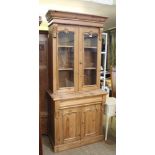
point(99, 148)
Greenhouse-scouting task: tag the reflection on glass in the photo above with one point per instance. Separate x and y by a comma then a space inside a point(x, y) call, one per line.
point(103, 43)
point(89, 77)
point(66, 78)
point(90, 40)
point(66, 57)
point(66, 38)
point(102, 60)
point(90, 57)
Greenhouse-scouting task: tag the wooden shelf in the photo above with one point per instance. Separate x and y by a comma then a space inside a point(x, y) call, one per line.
point(65, 69)
point(65, 46)
point(90, 47)
point(90, 68)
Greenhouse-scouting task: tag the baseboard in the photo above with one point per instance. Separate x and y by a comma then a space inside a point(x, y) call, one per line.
point(78, 143)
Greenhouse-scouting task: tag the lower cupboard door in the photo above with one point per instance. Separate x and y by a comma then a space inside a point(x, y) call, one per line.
point(71, 125)
point(91, 121)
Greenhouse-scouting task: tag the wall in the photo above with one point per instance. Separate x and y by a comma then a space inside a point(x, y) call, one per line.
point(80, 6)
point(44, 25)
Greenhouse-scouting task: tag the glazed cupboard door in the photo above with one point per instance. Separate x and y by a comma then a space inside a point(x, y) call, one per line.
point(89, 58)
point(67, 39)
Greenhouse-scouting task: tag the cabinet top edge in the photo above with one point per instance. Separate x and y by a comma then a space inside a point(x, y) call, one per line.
point(80, 94)
point(53, 14)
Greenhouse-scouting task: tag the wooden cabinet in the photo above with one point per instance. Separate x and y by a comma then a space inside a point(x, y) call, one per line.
point(74, 95)
point(76, 119)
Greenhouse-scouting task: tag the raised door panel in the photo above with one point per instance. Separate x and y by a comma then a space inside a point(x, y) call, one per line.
point(91, 120)
point(71, 125)
point(89, 58)
point(68, 125)
point(67, 60)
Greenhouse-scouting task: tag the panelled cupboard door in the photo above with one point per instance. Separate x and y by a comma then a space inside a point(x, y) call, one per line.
point(71, 124)
point(89, 58)
point(67, 58)
point(91, 121)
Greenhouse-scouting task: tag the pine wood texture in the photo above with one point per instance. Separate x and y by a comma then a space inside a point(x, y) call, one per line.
point(74, 96)
point(71, 18)
point(75, 121)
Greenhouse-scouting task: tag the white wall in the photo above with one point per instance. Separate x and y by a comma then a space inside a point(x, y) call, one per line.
point(81, 6)
point(109, 2)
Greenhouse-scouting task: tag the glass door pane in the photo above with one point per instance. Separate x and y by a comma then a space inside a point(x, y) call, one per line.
point(90, 58)
point(66, 38)
point(66, 59)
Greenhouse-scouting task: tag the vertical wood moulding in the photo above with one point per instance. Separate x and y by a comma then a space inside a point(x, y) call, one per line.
point(100, 33)
point(99, 57)
point(55, 69)
point(54, 30)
